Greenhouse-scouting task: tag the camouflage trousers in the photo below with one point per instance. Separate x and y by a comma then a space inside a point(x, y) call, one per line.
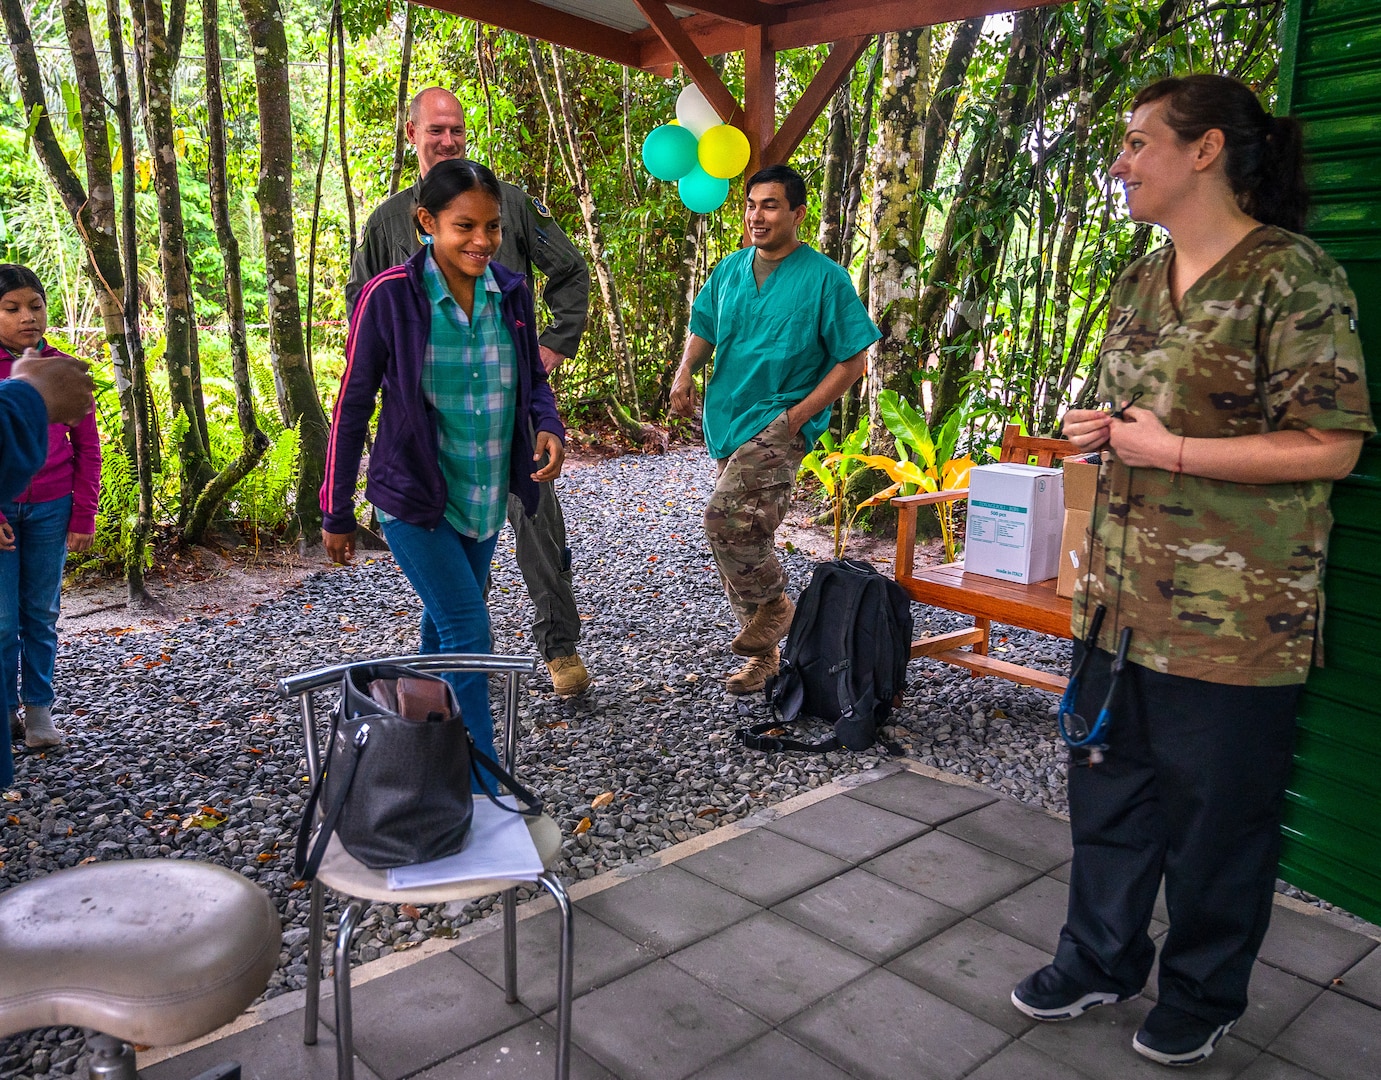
point(751, 494)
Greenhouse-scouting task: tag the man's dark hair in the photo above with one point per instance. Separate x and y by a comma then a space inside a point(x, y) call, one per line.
point(785, 175)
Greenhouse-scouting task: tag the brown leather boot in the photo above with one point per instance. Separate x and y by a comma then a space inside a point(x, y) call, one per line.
point(766, 628)
point(753, 676)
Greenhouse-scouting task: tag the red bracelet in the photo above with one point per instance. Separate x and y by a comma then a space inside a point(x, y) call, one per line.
point(1179, 460)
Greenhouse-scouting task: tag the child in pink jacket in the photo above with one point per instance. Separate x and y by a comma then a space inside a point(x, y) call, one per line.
point(54, 514)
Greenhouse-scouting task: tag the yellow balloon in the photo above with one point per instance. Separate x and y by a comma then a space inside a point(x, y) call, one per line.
point(723, 151)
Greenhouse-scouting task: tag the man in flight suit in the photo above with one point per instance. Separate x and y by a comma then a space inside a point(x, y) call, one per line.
point(436, 127)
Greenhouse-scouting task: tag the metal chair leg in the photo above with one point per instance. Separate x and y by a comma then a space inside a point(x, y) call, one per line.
point(510, 945)
point(315, 926)
point(111, 1058)
point(564, 973)
point(345, 1038)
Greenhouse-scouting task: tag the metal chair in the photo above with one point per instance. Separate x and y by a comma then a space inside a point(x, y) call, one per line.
point(140, 951)
point(351, 878)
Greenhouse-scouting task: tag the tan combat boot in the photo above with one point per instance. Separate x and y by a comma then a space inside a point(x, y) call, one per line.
point(568, 675)
point(766, 628)
point(753, 676)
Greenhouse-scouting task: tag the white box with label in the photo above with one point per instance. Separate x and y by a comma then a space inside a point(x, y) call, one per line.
point(1015, 516)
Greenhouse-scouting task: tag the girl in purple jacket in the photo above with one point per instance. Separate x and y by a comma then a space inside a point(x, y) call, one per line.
point(449, 341)
point(54, 514)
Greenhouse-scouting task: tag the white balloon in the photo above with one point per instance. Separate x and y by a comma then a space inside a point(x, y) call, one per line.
point(695, 112)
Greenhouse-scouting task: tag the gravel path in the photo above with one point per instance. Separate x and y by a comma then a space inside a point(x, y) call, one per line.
point(160, 725)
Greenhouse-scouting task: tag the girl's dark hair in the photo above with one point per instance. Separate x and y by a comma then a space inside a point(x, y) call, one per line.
point(1264, 154)
point(454, 176)
point(14, 276)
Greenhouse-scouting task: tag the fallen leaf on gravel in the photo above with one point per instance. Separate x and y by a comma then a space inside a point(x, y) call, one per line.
point(601, 801)
point(265, 856)
point(13, 819)
point(87, 861)
point(410, 911)
point(583, 827)
point(403, 946)
point(12, 796)
point(709, 811)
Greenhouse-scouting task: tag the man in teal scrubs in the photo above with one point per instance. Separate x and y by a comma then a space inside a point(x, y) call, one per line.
point(788, 334)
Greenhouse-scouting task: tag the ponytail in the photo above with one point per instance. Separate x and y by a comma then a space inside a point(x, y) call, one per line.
point(1263, 154)
point(1282, 195)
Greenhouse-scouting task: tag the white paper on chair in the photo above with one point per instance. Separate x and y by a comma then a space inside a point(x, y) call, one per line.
point(499, 846)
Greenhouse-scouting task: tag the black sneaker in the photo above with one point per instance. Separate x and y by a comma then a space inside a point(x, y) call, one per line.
point(1172, 1036)
point(1049, 995)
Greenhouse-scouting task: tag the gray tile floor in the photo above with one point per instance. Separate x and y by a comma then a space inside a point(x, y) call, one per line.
point(875, 933)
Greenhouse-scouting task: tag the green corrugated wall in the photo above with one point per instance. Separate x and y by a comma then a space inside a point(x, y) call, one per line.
point(1331, 80)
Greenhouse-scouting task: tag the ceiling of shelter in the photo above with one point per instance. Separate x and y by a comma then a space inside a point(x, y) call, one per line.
point(634, 32)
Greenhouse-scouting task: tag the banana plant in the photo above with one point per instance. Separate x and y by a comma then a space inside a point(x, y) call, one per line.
point(931, 458)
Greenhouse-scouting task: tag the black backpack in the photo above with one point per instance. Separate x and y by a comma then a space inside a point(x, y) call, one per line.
point(845, 659)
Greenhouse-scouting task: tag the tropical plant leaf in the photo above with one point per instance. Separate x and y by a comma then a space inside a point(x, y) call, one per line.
point(908, 425)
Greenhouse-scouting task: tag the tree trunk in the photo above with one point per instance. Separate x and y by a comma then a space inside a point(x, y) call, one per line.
point(1076, 191)
point(302, 405)
point(838, 140)
point(946, 95)
point(853, 183)
point(898, 244)
point(557, 100)
point(254, 442)
point(340, 126)
point(400, 140)
point(92, 211)
point(314, 228)
point(687, 285)
point(144, 456)
point(195, 470)
point(979, 222)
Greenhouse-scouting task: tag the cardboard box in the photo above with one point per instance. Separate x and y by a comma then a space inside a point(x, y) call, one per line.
point(1073, 551)
point(1014, 518)
point(1081, 490)
point(1081, 483)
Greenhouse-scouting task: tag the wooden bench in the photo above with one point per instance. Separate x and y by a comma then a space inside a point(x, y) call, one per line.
point(986, 599)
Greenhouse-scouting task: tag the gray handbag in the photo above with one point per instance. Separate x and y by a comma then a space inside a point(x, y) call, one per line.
point(395, 783)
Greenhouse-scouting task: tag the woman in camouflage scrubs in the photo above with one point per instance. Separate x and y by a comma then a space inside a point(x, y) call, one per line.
point(1238, 341)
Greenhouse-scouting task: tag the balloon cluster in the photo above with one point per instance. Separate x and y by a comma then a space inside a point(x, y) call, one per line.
point(697, 151)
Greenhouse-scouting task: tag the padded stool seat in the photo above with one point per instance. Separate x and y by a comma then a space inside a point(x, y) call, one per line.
point(151, 951)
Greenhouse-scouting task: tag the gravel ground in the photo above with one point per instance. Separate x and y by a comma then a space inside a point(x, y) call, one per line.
point(162, 725)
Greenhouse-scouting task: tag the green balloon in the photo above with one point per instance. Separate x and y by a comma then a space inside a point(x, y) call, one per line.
point(669, 152)
point(702, 192)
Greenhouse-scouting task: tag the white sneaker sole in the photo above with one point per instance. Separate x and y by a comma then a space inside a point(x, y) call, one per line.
point(1071, 1010)
point(1188, 1057)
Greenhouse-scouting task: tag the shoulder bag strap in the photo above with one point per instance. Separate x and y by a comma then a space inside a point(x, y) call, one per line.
point(306, 865)
point(479, 760)
point(756, 738)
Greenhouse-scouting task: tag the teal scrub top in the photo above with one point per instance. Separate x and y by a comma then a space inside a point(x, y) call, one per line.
point(774, 345)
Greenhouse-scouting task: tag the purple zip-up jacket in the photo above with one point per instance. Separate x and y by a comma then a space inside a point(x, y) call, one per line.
point(385, 349)
point(73, 466)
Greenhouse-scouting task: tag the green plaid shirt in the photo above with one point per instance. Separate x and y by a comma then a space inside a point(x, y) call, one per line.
point(470, 374)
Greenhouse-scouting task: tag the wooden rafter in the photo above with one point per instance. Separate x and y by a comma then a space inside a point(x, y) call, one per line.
point(689, 56)
point(837, 67)
point(743, 12)
point(824, 21)
point(548, 24)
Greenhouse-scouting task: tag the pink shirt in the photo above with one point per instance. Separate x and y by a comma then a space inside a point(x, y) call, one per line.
point(74, 461)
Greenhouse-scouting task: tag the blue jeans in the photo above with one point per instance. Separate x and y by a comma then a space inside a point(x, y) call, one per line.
point(30, 590)
point(448, 571)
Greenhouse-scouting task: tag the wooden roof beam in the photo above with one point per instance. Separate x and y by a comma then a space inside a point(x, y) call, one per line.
point(549, 24)
point(743, 12)
point(815, 24)
point(688, 55)
point(838, 66)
